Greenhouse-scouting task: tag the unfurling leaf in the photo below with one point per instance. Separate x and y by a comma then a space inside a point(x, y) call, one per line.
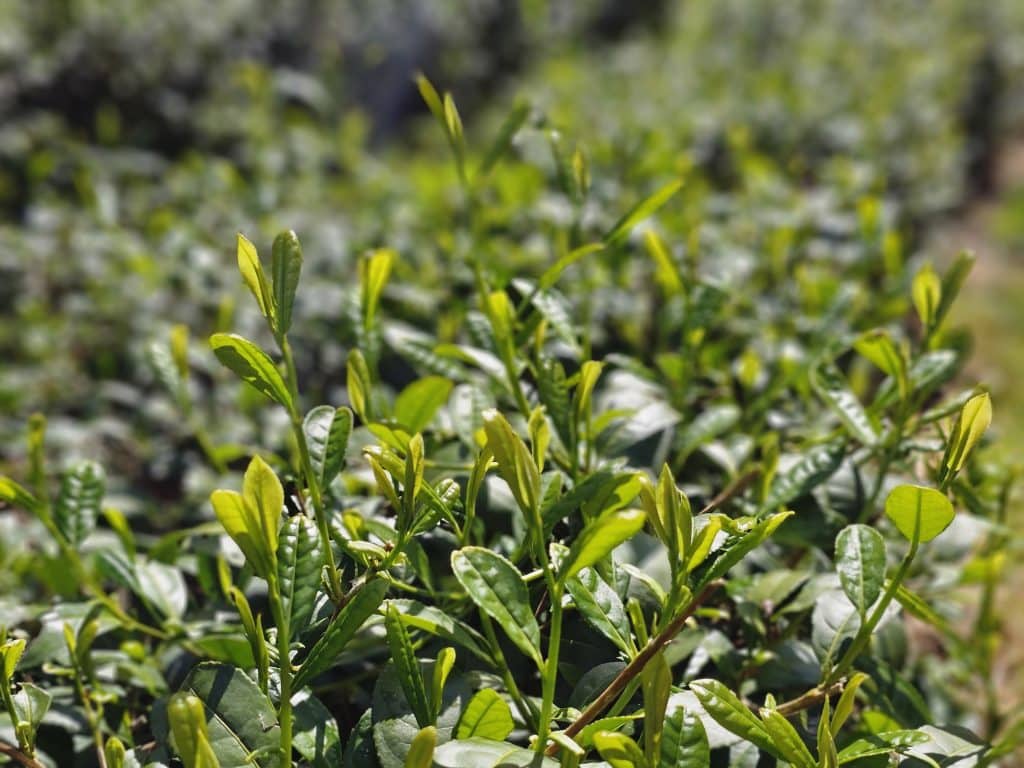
point(927, 295)
point(971, 424)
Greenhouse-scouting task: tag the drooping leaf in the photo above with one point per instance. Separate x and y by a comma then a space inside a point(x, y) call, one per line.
point(880, 349)
point(286, 266)
point(881, 744)
point(487, 716)
point(342, 628)
point(252, 365)
point(499, 590)
point(728, 711)
point(919, 513)
point(860, 563)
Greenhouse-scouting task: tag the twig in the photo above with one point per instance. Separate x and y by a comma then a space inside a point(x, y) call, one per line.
point(809, 699)
point(16, 754)
point(636, 666)
point(738, 486)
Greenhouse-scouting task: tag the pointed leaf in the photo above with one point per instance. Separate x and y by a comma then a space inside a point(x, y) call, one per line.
point(407, 667)
point(327, 431)
point(732, 714)
point(300, 560)
point(252, 365)
point(417, 404)
point(641, 211)
point(253, 276)
point(498, 589)
point(78, 504)
point(599, 538)
point(684, 742)
point(787, 740)
point(860, 563)
point(487, 716)
point(515, 463)
point(286, 266)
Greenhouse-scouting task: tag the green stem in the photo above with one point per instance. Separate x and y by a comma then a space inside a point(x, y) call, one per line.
point(312, 484)
point(863, 636)
point(550, 681)
point(284, 665)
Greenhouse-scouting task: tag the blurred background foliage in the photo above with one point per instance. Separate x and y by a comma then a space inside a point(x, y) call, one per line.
point(827, 137)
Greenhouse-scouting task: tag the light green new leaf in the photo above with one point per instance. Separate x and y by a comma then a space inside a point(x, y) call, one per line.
point(619, 750)
point(252, 518)
point(878, 347)
point(515, 462)
point(641, 211)
point(286, 266)
point(919, 513)
point(952, 282)
point(860, 563)
point(421, 748)
point(417, 404)
point(487, 716)
point(656, 685)
point(599, 538)
point(926, 292)
point(327, 431)
point(78, 504)
point(732, 553)
point(10, 655)
point(341, 629)
point(13, 493)
point(844, 707)
point(732, 714)
point(31, 703)
point(408, 668)
point(252, 365)
point(253, 276)
point(502, 141)
point(882, 744)
point(374, 273)
point(974, 419)
point(684, 742)
point(499, 590)
point(787, 740)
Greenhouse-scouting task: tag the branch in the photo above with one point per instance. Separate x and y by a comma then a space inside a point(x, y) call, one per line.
point(17, 755)
point(737, 487)
point(809, 699)
point(636, 666)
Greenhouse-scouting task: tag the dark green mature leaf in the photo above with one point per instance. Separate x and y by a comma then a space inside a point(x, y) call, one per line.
point(342, 629)
point(78, 504)
point(327, 431)
point(439, 623)
point(252, 365)
point(407, 667)
point(487, 716)
point(316, 735)
point(919, 513)
point(881, 744)
point(684, 743)
point(860, 563)
point(601, 606)
point(286, 266)
point(417, 404)
point(813, 469)
point(240, 719)
point(300, 559)
point(498, 589)
point(728, 711)
point(829, 384)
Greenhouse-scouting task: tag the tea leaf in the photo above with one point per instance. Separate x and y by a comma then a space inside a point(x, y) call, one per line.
point(487, 716)
point(327, 431)
point(599, 538)
point(252, 365)
point(408, 668)
point(342, 628)
point(642, 210)
point(253, 276)
point(732, 714)
point(300, 560)
point(787, 741)
point(421, 749)
point(919, 513)
point(927, 295)
point(830, 386)
point(515, 463)
point(286, 266)
point(619, 750)
point(78, 503)
point(498, 589)
point(417, 404)
point(601, 606)
point(860, 563)
point(684, 742)
point(974, 419)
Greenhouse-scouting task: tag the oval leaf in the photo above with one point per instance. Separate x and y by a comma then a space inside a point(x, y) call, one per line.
point(487, 716)
point(919, 513)
point(860, 563)
point(252, 365)
point(286, 266)
point(327, 431)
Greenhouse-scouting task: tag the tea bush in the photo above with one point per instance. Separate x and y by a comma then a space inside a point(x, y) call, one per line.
point(642, 452)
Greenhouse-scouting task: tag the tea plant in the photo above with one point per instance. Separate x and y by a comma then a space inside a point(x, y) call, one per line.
point(616, 510)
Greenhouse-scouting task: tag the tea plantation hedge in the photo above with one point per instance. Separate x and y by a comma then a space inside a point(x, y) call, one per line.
point(616, 421)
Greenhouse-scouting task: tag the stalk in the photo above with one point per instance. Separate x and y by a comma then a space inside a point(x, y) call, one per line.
point(284, 664)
